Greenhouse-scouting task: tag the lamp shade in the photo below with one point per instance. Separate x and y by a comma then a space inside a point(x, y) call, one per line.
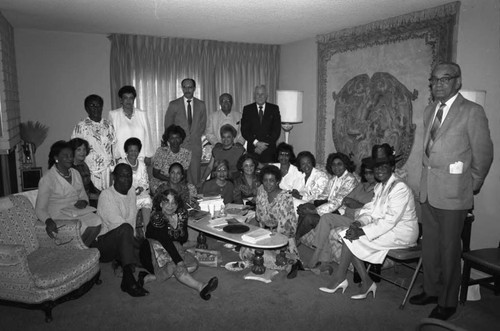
point(478, 97)
point(290, 103)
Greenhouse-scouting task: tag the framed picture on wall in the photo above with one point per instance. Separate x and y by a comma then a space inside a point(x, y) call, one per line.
point(30, 178)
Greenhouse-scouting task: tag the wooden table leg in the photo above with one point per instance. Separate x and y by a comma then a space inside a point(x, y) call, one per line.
point(258, 267)
point(202, 241)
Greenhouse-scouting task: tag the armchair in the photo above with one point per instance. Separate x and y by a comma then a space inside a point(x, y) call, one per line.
point(35, 272)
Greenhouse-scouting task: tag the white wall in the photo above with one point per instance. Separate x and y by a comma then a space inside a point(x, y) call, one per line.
point(478, 53)
point(56, 71)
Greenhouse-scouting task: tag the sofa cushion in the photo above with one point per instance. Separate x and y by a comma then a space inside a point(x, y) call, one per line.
point(52, 267)
point(17, 223)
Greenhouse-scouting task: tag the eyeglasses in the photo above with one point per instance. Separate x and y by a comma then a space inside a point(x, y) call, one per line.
point(58, 241)
point(442, 80)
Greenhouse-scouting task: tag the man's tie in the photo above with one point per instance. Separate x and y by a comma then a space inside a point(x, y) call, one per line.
point(190, 114)
point(435, 127)
point(261, 114)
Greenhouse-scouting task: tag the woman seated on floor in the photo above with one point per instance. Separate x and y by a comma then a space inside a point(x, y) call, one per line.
point(314, 183)
point(362, 194)
point(245, 186)
point(228, 151)
point(274, 211)
point(176, 180)
point(169, 153)
point(387, 222)
point(140, 177)
point(343, 182)
point(291, 177)
point(162, 254)
point(219, 185)
point(81, 149)
point(61, 195)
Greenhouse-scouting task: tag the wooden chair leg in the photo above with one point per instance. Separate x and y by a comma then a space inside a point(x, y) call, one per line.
point(465, 282)
point(410, 287)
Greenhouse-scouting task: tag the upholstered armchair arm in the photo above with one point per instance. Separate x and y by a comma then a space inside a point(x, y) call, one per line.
point(14, 270)
point(69, 233)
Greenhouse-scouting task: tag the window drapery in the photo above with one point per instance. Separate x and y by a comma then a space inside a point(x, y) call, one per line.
point(156, 66)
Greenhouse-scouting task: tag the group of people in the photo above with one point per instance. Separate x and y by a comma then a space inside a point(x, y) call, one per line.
point(372, 212)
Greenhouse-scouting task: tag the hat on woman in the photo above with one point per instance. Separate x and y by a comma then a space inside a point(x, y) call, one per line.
point(383, 154)
point(368, 163)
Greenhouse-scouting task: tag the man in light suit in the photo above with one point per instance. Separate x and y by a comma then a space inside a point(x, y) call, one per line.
point(458, 153)
point(261, 126)
point(190, 114)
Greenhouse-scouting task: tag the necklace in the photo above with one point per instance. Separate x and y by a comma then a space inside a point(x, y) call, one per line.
point(132, 165)
point(68, 176)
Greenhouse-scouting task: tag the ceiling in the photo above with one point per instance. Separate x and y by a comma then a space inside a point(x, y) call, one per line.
point(252, 21)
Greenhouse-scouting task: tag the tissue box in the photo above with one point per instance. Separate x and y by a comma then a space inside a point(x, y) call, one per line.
point(207, 203)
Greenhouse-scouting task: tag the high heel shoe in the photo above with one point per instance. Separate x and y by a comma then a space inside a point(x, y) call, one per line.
point(295, 268)
point(373, 289)
point(209, 288)
point(342, 285)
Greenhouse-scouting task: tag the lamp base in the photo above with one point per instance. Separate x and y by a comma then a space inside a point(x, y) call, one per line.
point(287, 127)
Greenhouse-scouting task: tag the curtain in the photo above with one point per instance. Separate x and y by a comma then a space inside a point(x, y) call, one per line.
point(156, 66)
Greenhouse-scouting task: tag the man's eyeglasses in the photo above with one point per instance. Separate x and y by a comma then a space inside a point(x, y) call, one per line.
point(442, 80)
point(58, 241)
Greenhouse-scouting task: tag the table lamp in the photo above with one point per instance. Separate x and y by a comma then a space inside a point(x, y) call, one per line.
point(290, 103)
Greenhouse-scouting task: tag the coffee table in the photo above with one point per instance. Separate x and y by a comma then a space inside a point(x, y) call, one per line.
point(203, 225)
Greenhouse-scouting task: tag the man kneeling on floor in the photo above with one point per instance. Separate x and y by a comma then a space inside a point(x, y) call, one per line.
point(117, 208)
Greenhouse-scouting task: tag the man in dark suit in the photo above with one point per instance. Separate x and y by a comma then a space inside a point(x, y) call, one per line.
point(190, 114)
point(458, 153)
point(261, 126)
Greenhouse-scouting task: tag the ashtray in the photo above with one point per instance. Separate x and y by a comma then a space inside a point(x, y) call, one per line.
point(237, 265)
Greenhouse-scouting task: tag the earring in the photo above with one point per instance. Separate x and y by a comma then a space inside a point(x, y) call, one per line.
point(57, 161)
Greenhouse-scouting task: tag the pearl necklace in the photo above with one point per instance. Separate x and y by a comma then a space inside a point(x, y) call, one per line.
point(132, 165)
point(68, 176)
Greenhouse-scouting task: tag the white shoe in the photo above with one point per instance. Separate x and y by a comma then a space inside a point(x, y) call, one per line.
point(342, 285)
point(373, 289)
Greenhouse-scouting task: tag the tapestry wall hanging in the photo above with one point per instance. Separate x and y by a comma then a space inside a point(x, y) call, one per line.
point(373, 84)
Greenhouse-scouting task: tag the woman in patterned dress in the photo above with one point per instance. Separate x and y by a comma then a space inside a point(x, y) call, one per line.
point(101, 137)
point(162, 254)
point(170, 152)
point(274, 210)
point(177, 181)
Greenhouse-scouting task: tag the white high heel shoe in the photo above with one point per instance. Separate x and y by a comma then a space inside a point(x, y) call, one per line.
point(342, 285)
point(373, 289)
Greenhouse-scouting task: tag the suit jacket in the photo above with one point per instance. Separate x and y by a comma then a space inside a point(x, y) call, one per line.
point(460, 156)
point(269, 131)
point(176, 114)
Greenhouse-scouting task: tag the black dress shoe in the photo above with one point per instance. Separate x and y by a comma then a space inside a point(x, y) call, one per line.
point(295, 269)
point(209, 288)
point(140, 278)
point(134, 289)
point(442, 313)
point(423, 299)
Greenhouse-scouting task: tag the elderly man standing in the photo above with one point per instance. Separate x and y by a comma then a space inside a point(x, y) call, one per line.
point(222, 117)
point(261, 126)
point(117, 208)
point(189, 113)
point(458, 153)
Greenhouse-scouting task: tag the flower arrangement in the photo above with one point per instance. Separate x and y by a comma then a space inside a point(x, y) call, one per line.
point(33, 133)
